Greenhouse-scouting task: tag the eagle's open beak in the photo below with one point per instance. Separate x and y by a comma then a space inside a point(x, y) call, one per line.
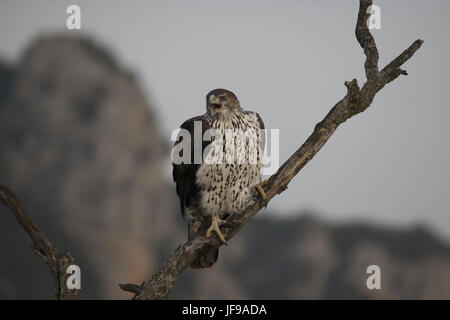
point(214, 104)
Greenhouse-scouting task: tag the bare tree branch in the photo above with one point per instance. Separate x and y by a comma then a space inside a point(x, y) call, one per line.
point(355, 101)
point(392, 70)
point(366, 40)
point(56, 261)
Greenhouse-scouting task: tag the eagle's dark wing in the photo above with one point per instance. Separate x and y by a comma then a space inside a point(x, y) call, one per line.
point(184, 174)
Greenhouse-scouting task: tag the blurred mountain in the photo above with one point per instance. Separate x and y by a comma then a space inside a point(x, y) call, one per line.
point(307, 258)
point(81, 146)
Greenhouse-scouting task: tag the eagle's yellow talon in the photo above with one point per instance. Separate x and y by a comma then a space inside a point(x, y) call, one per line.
point(260, 190)
point(216, 223)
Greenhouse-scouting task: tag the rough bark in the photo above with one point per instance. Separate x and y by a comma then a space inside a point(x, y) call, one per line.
point(355, 101)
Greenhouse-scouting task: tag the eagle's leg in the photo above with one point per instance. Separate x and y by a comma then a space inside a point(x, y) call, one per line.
point(259, 189)
point(215, 226)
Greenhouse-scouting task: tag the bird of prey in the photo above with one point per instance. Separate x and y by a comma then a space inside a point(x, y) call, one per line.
point(227, 173)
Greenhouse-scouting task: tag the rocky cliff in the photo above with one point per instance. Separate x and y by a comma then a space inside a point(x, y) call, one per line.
point(80, 145)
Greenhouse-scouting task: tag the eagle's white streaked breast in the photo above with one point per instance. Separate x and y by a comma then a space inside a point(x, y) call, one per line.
point(225, 186)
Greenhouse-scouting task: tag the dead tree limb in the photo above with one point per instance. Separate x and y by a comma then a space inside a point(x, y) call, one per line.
point(355, 101)
point(56, 261)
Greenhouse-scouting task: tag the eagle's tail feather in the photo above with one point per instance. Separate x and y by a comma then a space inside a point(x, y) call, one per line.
point(194, 228)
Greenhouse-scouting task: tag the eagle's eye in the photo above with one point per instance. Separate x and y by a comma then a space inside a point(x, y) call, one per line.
point(222, 97)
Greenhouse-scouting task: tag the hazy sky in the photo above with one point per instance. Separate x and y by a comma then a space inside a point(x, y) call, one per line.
point(288, 61)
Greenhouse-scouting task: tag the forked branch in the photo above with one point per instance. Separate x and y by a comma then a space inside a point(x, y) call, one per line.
point(355, 101)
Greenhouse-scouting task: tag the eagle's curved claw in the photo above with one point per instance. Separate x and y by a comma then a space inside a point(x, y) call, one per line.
point(259, 189)
point(216, 223)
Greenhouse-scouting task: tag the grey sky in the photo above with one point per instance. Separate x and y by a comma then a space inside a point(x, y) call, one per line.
point(288, 61)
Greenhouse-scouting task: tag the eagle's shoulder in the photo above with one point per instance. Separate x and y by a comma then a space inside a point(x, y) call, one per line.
point(262, 136)
point(258, 118)
point(260, 121)
point(184, 174)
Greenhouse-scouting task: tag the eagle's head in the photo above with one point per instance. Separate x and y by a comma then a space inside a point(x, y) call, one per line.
point(221, 102)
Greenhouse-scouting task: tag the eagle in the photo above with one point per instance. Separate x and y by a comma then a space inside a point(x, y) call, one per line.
point(220, 166)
